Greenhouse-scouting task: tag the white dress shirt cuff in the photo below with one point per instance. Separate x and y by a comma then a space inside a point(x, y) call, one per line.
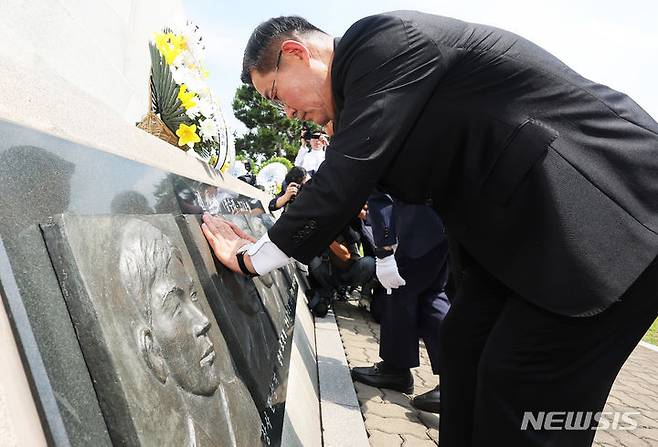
point(266, 256)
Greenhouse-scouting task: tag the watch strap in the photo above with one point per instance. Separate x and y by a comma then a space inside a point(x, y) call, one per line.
point(243, 266)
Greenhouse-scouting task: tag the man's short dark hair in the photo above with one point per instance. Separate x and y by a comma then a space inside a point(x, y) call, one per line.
point(258, 54)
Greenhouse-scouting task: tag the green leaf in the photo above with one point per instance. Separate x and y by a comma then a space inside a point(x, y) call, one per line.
point(165, 91)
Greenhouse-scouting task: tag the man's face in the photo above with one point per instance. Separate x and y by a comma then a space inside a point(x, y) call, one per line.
point(181, 330)
point(302, 84)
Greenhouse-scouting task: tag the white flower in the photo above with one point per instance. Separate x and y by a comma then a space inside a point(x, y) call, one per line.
point(197, 51)
point(205, 92)
point(208, 129)
point(193, 112)
point(198, 84)
point(194, 41)
point(206, 106)
point(195, 83)
point(191, 78)
point(182, 74)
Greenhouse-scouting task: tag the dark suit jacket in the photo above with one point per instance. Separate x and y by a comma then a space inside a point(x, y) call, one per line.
point(416, 229)
point(547, 179)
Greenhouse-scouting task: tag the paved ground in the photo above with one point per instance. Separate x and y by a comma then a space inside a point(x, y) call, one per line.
point(391, 421)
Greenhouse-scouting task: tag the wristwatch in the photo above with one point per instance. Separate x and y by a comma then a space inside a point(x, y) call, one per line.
point(382, 252)
point(243, 266)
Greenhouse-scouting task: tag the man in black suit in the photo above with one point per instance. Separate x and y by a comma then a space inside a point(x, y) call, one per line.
point(546, 182)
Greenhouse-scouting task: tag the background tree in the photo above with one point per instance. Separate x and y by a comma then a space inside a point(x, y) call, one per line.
point(270, 133)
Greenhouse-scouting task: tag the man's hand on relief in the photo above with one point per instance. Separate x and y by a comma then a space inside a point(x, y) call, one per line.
point(226, 239)
point(387, 273)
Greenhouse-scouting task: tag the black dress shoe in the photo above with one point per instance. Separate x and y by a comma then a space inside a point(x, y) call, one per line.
point(318, 304)
point(430, 401)
point(381, 375)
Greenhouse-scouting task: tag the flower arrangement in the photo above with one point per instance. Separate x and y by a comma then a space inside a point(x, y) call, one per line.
point(181, 99)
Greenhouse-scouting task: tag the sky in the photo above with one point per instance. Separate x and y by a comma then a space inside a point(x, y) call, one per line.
point(612, 42)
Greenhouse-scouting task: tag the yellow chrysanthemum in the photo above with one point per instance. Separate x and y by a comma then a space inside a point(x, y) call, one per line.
point(187, 135)
point(187, 98)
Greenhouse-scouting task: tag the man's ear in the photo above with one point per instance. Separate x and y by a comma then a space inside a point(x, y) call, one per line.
point(151, 354)
point(296, 49)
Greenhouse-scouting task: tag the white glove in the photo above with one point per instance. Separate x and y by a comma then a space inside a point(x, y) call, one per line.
point(387, 273)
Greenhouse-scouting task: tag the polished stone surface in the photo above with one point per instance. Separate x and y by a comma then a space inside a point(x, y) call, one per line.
point(44, 176)
point(256, 320)
point(240, 313)
point(161, 367)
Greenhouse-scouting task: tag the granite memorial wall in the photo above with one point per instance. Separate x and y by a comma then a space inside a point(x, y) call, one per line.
point(131, 332)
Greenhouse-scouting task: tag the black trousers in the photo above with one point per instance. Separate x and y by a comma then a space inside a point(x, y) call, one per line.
point(415, 311)
point(503, 356)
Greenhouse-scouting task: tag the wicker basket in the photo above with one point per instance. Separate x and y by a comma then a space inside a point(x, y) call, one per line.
point(155, 126)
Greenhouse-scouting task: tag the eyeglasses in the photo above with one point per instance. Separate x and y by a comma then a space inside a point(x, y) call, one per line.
point(273, 99)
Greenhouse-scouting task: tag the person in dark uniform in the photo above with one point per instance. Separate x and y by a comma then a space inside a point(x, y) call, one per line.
point(340, 265)
point(412, 252)
point(546, 182)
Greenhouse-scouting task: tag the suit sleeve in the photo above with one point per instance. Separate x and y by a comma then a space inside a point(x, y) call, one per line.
point(272, 205)
point(382, 219)
point(384, 71)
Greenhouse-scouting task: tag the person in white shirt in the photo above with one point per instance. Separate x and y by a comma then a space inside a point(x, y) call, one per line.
point(310, 158)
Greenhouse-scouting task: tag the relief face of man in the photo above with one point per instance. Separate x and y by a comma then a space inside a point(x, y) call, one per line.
point(181, 329)
point(173, 337)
